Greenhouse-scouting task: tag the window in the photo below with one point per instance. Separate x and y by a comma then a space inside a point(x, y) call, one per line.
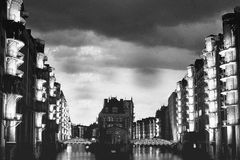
point(213, 120)
point(212, 84)
point(212, 106)
point(230, 56)
point(211, 72)
point(211, 61)
point(231, 115)
point(231, 83)
point(114, 109)
point(230, 70)
point(212, 95)
point(106, 109)
point(232, 98)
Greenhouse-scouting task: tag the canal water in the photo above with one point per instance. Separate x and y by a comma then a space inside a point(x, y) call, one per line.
point(77, 152)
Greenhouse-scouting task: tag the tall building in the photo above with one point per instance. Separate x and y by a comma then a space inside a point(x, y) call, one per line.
point(191, 99)
point(201, 107)
point(212, 90)
point(229, 64)
point(164, 124)
point(115, 121)
point(29, 99)
point(173, 114)
point(181, 99)
point(65, 127)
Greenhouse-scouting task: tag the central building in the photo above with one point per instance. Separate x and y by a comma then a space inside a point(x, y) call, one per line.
point(115, 124)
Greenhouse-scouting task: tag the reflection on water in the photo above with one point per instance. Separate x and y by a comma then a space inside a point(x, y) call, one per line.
point(77, 152)
point(152, 153)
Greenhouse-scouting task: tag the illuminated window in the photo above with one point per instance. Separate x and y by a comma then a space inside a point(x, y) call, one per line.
point(212, 72)
point(212, 84)
point(231, 115)
point(229, 56)
point(191, 127)
point(190, 92)
point(190, 100)
point(179, 115)
point(11, 66)
point(179, 109)
point(51, 116)
point(190, 71)
point(191, 108)
point(213, 120)
point(179, 103)
point(228, 40)
point(179, 129)
point(230, 70)
point(200, 112)
point(190, 82)
point(40, 60)
point(212, 95)
point(191, 116)
point(39, 84)
point(211, 61)
point(179, 121)
point(38, 119)
point(209, 45)
point(51, 81)
point(38, 95)
point(178, 86)
point(14, 11)
point(231, 98)
point(212, 106)
point(231, 83)
point(51, 107)
point(52, 92)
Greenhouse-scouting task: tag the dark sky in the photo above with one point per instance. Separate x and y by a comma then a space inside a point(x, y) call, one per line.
point(124, 48)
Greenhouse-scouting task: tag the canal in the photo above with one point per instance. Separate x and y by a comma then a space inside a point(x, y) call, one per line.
point(77, 152)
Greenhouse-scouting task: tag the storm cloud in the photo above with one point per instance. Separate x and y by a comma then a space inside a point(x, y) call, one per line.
point(140, 21)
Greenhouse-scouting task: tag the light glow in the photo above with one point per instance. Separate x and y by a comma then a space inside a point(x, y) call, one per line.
point(10, 103)
point(13, 48)
point(38, 119)
point(40, 60)
point(11, 66)
point(13, 10)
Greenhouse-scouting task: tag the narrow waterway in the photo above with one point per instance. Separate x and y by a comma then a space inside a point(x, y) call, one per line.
point(77, 152)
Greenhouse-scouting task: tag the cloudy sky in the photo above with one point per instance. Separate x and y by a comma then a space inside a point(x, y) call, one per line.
point(123, 48)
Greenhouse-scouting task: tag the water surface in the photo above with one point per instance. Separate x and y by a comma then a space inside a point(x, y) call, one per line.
point(77, 152)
